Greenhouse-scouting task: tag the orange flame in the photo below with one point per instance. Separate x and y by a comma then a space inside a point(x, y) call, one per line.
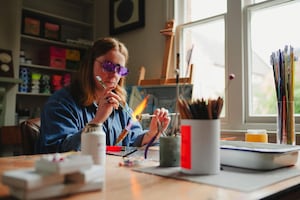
point(141, 107)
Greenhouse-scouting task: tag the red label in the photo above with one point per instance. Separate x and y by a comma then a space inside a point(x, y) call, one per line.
point(186, 147)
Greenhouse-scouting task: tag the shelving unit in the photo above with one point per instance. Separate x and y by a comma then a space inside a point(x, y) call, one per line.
point(75, 19)
point(46, 68)
point(5, 83)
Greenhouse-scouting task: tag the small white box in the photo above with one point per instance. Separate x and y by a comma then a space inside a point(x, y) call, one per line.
point(87, 175)
point(30, 179)
point(56, 163)
point(56, 190)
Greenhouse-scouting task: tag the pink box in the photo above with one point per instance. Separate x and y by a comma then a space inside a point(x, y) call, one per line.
point(53, 56)
point(57, 62)
point(57, 52)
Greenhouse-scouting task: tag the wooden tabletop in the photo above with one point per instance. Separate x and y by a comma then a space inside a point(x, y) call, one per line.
point(123, 183)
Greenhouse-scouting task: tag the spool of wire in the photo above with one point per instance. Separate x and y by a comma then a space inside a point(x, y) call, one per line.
point(24, 75)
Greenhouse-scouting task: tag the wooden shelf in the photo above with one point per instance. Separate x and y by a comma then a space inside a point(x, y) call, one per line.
point(7, 82)
point(53, 42)
point(59, 18)
point(43, 67)
point(33, 94)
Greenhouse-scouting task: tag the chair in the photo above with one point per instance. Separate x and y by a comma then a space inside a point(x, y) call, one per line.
point(30, 132)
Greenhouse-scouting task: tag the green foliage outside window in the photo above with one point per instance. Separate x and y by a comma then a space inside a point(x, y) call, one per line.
point(268, 101)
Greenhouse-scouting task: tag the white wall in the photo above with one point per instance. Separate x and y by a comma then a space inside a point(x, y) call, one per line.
point(146, 45)
point(10, 39)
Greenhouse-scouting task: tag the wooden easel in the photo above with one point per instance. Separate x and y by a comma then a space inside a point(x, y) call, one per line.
point(168, 32)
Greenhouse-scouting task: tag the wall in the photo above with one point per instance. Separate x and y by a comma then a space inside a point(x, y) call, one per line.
point(10, 39)
point(146, 45)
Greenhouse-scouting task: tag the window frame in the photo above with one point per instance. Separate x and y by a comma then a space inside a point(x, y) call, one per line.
point(237, 52)
point(247, 13)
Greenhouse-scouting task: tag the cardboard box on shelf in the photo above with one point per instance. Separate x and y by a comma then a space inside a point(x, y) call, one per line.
point(57, 62)
point(72, 54)
point(53, 56)
point(59, 52)
point(51, 31)
point(31, 26)
point(72, 65)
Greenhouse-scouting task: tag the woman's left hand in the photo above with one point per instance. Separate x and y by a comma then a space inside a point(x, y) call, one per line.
point(161, 118)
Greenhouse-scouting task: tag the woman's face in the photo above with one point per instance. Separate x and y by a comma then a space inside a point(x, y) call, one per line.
point(109, 78)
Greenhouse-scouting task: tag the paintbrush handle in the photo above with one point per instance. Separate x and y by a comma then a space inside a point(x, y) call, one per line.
point(121, 136)
point(124, 133)
point(148, 116)
point(120, 104)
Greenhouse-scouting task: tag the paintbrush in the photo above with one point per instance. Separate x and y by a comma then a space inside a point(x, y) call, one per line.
point(120, 104)
point(148, 116)
point(124, 133)
point(201, 109)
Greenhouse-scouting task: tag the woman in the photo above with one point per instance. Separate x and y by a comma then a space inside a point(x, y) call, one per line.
point(86, 100)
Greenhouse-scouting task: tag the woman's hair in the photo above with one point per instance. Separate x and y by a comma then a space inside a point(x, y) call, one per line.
point(83, 86)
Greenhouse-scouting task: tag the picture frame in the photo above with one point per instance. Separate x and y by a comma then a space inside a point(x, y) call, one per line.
point(126, 15)
point(6, 63)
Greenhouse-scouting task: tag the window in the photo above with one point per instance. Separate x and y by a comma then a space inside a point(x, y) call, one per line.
point(230, 36)
point(202, 9)
point(206, 40)
point(271, 27)
point(205, 37)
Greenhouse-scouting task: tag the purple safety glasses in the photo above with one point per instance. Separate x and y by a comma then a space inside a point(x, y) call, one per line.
point(111, 67)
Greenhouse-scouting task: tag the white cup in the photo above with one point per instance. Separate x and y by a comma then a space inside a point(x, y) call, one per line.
point(200, 146)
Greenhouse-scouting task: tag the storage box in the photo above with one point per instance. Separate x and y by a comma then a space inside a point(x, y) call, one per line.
point(53, 56)
point(257, 155)
point(73, 65)
point(57, 52)
point(57, 62)
point(31, 26)
point(72, 55)
point(51, 31)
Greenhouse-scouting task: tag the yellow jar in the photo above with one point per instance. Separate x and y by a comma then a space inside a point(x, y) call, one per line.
point(256, 135)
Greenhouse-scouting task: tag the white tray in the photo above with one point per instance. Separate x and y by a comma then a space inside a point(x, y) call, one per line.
point(260, 156)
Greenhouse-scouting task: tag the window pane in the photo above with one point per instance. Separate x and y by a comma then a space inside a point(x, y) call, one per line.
point(208, 58)
point(271, 29)
point(259, 1)
point(200, 9)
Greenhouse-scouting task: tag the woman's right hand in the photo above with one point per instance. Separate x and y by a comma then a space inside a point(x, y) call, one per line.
point(106, 104)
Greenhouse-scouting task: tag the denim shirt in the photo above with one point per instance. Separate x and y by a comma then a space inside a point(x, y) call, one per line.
point(63, 119)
